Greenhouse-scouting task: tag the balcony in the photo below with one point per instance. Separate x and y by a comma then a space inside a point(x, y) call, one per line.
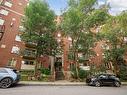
point(8, 3)
point(29, 54)
point(30, 44)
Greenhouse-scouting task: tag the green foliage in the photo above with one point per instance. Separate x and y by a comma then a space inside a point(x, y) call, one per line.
point(123, 72)
point(24, 77)
point(113, 33)
point(102, 68)
point(25, 74)
point(40, 27)
point(93, 69)
point(77, 22)
point(45, 71)
point(83, 74)
point(97, 18)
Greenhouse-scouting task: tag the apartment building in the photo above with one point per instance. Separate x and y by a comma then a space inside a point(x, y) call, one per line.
point(11, 13)
point(20, 55)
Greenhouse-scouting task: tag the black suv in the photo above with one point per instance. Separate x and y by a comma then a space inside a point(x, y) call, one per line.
point(103, 79)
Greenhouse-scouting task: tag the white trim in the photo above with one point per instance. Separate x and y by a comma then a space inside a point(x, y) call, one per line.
point(1, 21)
point(8, 4)
point(4, 12)
point(12, 11)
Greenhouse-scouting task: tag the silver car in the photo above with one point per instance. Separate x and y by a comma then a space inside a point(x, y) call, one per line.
point(8, 77)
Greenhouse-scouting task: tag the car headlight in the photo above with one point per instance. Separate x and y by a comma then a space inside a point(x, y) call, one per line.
point(93, 79)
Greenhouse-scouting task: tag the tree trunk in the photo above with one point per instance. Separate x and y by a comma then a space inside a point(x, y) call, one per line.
point(115, 67)
point(52, 68)
point(76, 65)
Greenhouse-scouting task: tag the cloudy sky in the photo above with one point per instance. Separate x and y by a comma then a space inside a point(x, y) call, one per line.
point(116, 5)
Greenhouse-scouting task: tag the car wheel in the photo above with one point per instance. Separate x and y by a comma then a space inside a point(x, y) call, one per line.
point(97, 84)
point(117, 84)
point(6, 82)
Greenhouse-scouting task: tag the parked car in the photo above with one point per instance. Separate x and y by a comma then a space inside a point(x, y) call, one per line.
point(8, 77)
point(103, 79)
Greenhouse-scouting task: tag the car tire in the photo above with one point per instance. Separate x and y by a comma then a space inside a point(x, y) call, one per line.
point(6, 83)
point(97, 84)
point(117, 84)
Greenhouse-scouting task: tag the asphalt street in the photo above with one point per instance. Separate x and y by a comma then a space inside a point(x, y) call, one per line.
point(63, 90)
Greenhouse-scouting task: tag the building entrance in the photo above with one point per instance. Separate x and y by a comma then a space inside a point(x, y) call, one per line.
point(58, 69)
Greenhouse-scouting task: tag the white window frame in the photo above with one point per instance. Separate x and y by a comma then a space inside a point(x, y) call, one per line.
point(1, 21)
point(15, 49)
point(18, 38)
point(8, 4)
point(4, 12)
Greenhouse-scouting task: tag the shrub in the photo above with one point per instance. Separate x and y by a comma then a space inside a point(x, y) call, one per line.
point(123, 72)
point(24, 77)
point(45, 71)
point(25, 74)
point(83, 74)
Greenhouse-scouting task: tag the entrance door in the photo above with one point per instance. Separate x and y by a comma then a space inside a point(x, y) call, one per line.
point(58, 69)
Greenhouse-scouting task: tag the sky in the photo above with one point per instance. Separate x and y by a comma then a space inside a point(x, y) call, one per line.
point(57, 5)
point(116, 5)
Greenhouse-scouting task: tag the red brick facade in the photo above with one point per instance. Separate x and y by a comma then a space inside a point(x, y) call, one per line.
point(11, 12)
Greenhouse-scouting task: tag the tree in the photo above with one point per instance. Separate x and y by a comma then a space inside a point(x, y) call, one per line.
point(77, 22)
point(39, 28)
point(123, 72)
point(114, 33)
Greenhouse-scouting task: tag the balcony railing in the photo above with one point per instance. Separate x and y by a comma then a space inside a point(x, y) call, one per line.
point(28, 54)
point(30, 44)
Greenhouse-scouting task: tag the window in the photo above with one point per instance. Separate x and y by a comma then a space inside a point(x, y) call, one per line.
point(3, 46)
point(27, 62)
point(1, 21)
point(15, 49)
point(107, 65)
point(125, 39)
point(4, 12)
point(12, 62)
point(103, 76)
point(18, 38)
point(1, 35)
point(3, 70)
point(21, 29)
point(8, 4)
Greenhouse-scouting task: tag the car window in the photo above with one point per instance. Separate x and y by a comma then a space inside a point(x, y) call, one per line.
point(111, 76)
point(3, 70)
point(102, 76)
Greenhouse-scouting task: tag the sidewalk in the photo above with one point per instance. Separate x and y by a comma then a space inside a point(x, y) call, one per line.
point(56, 83)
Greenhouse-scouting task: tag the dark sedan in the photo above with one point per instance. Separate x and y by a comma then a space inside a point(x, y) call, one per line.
point(103, 79)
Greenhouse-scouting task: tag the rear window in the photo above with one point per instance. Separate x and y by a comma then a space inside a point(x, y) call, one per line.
point(3, 70)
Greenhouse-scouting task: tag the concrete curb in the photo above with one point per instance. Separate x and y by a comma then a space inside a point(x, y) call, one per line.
point(124, 83)
point(57, 83)
point(51, 84)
